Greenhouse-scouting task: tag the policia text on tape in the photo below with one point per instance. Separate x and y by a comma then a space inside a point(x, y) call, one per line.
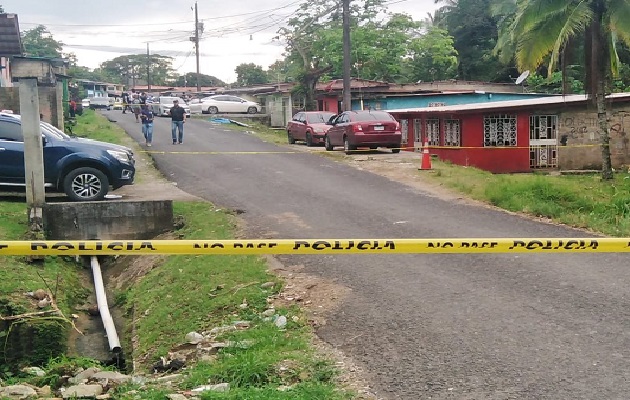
point(315, 246)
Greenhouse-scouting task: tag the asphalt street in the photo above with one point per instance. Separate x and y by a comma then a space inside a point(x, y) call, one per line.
point(422, 326)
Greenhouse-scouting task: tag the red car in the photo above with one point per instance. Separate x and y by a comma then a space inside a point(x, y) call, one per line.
point(308, 126)
point(363, 128)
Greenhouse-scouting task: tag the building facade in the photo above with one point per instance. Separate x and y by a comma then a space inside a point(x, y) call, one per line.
point(522, 135)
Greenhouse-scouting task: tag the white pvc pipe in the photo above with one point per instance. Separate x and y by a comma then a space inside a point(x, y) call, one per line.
point(103, 308)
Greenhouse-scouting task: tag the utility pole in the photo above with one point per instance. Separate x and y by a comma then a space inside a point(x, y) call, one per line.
point(347, 96)
point(148, 69)
point(197, 45)
point(33, 154)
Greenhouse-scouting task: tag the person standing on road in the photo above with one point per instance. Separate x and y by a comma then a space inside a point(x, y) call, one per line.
point(73, 108)
point(147, 124)
point(178, 117)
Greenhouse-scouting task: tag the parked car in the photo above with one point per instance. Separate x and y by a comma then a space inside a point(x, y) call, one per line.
point(363, 128)
point(100, 103)
point(82, 168)
point(309, 126)
point(222, 103)
point(118, 104)
point(85, 103)
point(162, 105)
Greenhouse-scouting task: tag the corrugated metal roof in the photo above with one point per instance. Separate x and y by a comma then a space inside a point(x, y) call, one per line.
point(541, 101)
point(10, 41)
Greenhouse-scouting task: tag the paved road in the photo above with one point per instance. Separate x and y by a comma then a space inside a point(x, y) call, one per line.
point(425, 326)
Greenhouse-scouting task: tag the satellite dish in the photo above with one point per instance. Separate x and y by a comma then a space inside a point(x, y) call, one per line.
point(522, 77)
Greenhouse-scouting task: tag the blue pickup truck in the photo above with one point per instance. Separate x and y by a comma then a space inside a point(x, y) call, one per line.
point(83, 169)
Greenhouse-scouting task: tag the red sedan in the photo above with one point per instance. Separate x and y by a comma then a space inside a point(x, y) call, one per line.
point(363, 128)
point(308, 126)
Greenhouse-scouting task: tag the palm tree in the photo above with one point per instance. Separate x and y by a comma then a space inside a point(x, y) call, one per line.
point(543, 27)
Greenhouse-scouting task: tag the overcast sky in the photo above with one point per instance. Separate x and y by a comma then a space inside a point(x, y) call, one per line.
point(235, 32)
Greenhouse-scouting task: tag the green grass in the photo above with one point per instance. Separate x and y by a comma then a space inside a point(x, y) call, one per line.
point(584, 201)
point(207, 292)
point(95, 126)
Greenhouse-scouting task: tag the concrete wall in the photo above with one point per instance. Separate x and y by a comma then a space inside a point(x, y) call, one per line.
point(107, 220)
point(50, 105)
point(578, 129)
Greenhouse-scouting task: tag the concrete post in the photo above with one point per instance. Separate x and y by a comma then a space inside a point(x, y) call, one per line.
point(59, 105)
point(33, 153)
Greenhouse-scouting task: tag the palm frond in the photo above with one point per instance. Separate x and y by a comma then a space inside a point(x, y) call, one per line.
point(549, 34)
point(576, 22)
point(619, 19)
point(614, 55)
point(530, 12)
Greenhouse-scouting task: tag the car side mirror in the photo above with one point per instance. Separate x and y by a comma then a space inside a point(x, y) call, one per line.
point(305, 122)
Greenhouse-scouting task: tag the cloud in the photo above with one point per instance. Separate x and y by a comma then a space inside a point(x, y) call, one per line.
point(99, 31)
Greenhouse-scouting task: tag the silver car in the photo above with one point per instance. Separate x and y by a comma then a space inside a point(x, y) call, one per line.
point(223, 103)
point(162, 105)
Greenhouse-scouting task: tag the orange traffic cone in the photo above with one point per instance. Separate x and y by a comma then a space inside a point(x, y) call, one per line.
point(426, 158)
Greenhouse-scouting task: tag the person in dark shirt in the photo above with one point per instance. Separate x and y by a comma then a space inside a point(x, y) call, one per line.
point(147, 124)
point(178, 117)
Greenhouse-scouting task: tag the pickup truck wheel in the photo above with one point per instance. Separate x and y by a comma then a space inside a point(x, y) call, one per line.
point(327, 144)
point(213, 110)
point(86, 184)
point(290, 137)
point(252, 110)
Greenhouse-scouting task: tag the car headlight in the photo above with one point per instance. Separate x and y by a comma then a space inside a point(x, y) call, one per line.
point(119, 155)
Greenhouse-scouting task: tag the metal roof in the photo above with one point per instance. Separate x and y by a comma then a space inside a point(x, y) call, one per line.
point(493, 105)
point(10, 41)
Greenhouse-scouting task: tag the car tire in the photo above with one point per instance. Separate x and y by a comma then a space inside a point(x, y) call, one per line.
point(290, 137)
point(213, 110)
point(252, 110)
point(86, 184)
point(309, 140)
point(373, 147)
point(347, 147)
point(327, 145)
point(395, 151)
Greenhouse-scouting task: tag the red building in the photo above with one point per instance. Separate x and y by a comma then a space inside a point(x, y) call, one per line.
point(520, 135)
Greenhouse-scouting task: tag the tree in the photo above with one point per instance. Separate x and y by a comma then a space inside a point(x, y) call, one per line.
point(38, 42)
point(250, 74)
point(432, 57)
point(474, 30)
point(543, 27)
point(190, 79)
point(277, 72)
point(379, 48)
point(128, 69)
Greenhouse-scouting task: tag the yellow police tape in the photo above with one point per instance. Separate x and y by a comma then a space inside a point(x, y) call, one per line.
point(316, 246)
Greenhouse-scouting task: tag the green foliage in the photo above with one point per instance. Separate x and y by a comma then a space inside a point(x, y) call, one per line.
point(538, 84)
point(248, 74)
point(474, 31)
point(432, 57)
point(38, 42)
point(134, 66)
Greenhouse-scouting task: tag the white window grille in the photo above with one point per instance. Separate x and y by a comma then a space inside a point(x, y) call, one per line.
point(543, 127)
point(499, 130)
point(452, 133)
point(404, 129)
point(417, 130)
point(437, 104)
point(433, 131)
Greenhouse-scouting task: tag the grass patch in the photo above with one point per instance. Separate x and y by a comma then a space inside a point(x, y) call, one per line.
point(95, 126)
point(584, 201)
point(32, 340)
point(208, 292)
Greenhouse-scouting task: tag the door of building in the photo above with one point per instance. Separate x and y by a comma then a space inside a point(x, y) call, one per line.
point(543, 141)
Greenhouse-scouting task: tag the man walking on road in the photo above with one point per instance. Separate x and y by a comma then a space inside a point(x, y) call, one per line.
point(147, 124)
point(178, 117)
